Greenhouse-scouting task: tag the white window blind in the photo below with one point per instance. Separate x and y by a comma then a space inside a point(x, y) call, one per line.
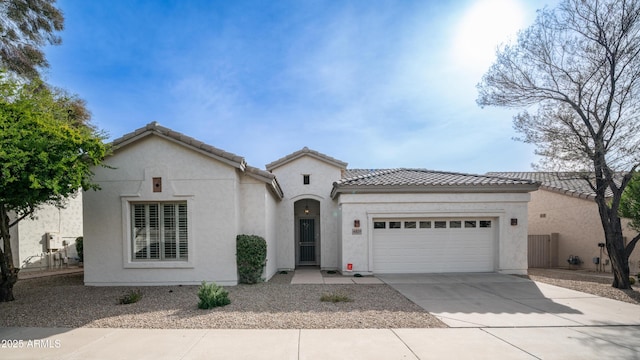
point(159, 231)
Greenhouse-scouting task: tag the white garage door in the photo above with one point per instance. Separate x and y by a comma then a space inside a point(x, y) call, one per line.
point(433, 245)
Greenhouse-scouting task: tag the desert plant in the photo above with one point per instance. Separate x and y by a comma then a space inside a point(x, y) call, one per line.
point(335, 297)
point(212, 295)
point(251, 254)
point(632, 280)
point(133, 296)
point(80, 248)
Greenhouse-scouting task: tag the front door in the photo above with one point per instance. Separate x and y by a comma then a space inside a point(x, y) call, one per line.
point(307, 242)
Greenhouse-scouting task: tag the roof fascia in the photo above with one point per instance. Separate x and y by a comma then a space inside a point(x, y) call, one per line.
point(238, 165)
point(300, 153)
point(572, 193)
point(271, 181)
point(522, 188)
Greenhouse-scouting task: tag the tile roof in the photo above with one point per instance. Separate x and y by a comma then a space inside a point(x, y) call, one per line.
point(155, 129)
point(302, 152)
point(226, 157)
point(568, 183)
point(422, 180)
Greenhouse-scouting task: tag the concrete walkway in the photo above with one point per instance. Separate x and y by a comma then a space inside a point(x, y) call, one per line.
point(599, 342)
point(314, 276)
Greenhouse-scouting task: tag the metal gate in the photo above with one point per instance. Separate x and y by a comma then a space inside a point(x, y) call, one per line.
point(307, 242)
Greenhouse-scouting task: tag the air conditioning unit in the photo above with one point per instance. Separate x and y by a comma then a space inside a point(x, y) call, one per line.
point(54, 241)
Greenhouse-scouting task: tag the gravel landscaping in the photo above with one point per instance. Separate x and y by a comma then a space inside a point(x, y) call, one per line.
point(585, 281)
point(63, 301)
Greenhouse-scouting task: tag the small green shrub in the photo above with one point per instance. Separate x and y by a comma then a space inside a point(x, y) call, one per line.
point(632, 280)
point(133, 296)
point(80, 248)
point(212, 295)
point(335, 297)
point(251, 256)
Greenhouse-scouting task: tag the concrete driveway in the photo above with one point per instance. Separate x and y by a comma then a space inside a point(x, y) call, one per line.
point(489, 300)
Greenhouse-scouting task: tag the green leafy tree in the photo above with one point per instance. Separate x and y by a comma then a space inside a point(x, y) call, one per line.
point(630, 208)
point(577, 68)
point(46, 155)
point(25, 27)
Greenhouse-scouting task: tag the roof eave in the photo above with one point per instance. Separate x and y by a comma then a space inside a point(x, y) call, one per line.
point(306, 152)
point(237, 161)
point(434, 189)
point(267, 178)
point(572, 193)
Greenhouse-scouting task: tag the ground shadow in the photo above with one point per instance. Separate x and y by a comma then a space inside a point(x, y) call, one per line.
point(488, 293)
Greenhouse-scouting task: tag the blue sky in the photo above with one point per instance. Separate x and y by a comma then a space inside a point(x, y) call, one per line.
point(377, 84)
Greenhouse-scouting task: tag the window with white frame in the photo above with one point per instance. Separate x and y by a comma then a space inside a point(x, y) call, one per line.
point(159, 231)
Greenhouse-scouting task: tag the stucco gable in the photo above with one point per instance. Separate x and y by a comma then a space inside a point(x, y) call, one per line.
point(236, 161)
point(306, 152)
point(155, 129)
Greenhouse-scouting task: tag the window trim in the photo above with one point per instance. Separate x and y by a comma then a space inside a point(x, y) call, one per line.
point(127, 239)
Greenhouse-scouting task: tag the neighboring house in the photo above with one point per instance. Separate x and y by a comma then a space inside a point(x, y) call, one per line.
point(170, 207)
point(565, 206)
point(48, 240)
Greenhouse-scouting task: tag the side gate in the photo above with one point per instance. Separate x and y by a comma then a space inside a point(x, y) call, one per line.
point(543, 251)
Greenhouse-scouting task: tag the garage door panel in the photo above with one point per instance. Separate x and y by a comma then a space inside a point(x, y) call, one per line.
point(415, 250)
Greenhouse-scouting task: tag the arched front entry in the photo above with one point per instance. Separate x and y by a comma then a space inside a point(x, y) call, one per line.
point(307, 232)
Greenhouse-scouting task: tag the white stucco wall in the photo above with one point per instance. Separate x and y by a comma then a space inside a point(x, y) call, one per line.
point(577, 221)
point(208, 186)
point(29, 234)
point(322, 177)
point(511, 248)
point(257, 217)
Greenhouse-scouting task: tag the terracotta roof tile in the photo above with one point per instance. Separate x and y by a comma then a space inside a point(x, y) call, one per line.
point(302, 152)
point(422, 180)
point(568, 183)
point(155, 128)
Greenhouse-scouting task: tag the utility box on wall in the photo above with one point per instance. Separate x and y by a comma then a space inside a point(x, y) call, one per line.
point(54, 241)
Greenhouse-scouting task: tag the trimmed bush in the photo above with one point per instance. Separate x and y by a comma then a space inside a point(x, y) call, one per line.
point(251, 256)
point(212, 295)
point(133, 296)
point(335, 298)
point(79, 248)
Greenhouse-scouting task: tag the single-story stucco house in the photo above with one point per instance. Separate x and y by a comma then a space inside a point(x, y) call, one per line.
point(170, 207)
point(565, 206)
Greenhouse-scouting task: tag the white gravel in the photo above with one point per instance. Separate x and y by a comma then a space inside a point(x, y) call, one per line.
point(63, 301)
